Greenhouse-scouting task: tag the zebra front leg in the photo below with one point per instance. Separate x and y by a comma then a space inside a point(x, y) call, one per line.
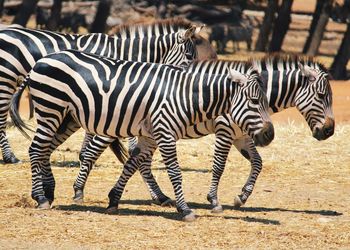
point(156, 193)
point(93, 149)
point(136, 158)
point(223, 143)
point(167, 148)
point(246, 147)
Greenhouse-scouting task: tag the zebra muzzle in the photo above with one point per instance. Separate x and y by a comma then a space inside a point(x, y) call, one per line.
point(324, 132)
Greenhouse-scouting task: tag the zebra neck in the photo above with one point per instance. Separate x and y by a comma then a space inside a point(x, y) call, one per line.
point(281, 87)
point(210, 97)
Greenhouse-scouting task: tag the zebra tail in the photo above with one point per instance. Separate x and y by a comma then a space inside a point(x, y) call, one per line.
point(14, 110)
point(119, 150)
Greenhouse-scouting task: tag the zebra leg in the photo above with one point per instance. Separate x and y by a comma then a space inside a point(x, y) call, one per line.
point(167, 148)
point(88, 137)
point(246, 147)
point(145, 170)
point(223, 143)
point(145, 150)
point(7, 90)
point(66, 129)
point(132, 144)
point(156, 193)
point(93, 149)
point(43, 182)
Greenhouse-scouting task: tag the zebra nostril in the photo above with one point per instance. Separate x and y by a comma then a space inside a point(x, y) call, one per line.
point(328, 131)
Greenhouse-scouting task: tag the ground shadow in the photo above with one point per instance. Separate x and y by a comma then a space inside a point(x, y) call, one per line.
point(14, 164)
point(185, 169)
point(66, 164)
point(172, 215)
point(267, 209)
point(207, 206)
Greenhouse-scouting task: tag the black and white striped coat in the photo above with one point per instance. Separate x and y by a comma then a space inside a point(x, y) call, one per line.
point(164, 42)
point(118, 98)
point(288, 81)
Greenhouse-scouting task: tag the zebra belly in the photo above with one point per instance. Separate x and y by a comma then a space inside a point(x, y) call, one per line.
point(199, 130)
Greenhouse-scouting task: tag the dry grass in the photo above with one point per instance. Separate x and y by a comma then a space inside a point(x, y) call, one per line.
point(301, 199)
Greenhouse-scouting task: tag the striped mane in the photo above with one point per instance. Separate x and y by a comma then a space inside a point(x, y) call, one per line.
point(158, 27)
point(278, 61)
point(245, 67)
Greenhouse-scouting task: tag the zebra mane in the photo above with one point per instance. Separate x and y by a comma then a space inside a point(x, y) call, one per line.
point(245, 67)
point(163, 27)
point(277, 61)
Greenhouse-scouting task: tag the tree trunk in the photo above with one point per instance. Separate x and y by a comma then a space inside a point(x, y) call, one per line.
point(281, 26)
point(26, 10)
point(266, 27)
point(320, 28)
point(1, 7)
point(52, 23)
point(338, 68)
point(102, 13)
point(315, 18)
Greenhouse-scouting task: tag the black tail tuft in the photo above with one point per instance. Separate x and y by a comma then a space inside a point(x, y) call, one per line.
point(119, 150)
point(15, 117)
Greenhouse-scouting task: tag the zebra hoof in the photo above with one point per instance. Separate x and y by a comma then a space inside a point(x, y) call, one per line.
point(167, 203)
point(217, 209)
point(237, 203)
point(78, 200)
point(12, 160)
point(44, 206)
point(112, 210)
point(189, 216)
point(78, 197)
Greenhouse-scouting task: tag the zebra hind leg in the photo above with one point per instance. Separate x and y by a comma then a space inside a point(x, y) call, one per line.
point(247, 148)
point(87, 138)
point(7, 155)
point(129, 169)
point(45, 141)
point(157, 195)
point(93, 149)
point(43, 182)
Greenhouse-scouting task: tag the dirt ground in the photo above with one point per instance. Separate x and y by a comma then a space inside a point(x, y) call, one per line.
point(301, 199)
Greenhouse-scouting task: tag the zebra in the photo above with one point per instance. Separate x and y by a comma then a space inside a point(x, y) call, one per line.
point(288, 81)
point(95, 146)
point(117, 98)
point(170, 41)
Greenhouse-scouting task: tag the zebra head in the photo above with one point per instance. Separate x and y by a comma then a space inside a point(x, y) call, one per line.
point(249, 108)
point(314, 101)
point(183, 50)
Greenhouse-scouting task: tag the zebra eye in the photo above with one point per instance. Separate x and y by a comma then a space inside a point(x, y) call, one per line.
point(321, 95)
point(312, 78)
point(188, 54)
point(255, 101)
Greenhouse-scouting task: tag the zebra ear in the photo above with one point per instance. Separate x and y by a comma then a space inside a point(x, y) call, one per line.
point(238, 77)
point(307, 71)
point(190, 32)
point(199, 28)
